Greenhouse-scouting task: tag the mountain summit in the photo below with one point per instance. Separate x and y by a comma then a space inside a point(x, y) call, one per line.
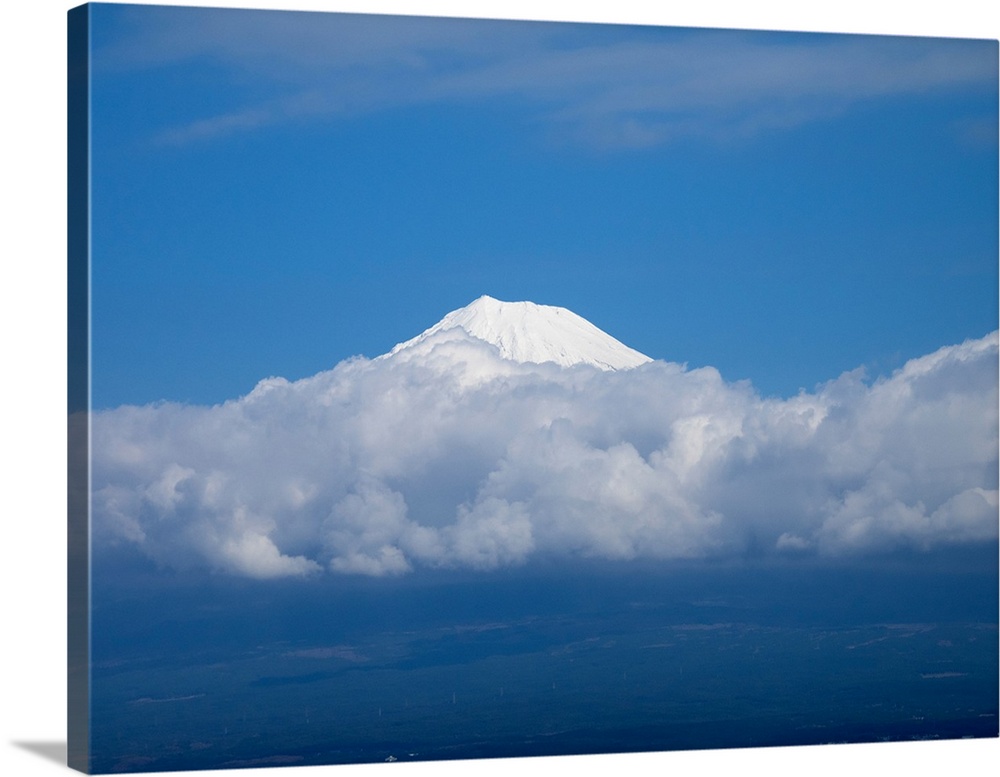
point(526, 332)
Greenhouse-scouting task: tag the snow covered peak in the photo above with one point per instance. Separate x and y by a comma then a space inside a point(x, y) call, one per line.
point(528, 333)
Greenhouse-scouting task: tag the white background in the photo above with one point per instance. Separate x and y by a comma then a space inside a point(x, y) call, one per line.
point(33, 374)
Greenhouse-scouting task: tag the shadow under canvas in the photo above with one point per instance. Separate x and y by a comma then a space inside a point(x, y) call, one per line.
point(50, 751)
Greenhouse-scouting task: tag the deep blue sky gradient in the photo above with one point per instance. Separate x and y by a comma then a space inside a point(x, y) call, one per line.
point(860, 235)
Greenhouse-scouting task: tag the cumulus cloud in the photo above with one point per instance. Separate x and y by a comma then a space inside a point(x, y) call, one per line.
point(458, 458)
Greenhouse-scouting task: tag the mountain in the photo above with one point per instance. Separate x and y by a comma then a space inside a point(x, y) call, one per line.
point(528, 333)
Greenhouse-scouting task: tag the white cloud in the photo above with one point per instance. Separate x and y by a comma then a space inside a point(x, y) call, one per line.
point(606, 86)
point(490, 534)
point(383, 466)
point(252, 554)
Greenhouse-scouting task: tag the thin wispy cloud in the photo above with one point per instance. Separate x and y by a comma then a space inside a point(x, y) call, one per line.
point(463, 459)
point(609, 86)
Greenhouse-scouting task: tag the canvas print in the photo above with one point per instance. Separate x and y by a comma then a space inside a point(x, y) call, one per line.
point(455, 388)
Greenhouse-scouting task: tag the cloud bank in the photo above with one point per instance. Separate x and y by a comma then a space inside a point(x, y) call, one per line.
point(459, 458)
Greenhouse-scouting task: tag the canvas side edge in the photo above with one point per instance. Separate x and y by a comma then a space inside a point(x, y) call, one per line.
point(78, 388)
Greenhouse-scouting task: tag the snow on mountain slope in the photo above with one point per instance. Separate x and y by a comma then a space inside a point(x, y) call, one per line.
point(524, 332)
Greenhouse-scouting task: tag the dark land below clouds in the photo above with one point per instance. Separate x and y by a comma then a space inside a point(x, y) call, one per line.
point(202, 671)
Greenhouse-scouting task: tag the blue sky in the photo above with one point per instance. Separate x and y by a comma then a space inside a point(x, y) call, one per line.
point(274, 193)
